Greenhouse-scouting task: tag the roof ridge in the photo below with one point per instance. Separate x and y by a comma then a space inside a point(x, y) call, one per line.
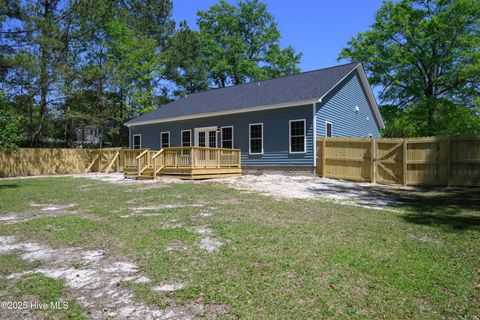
point(263, 80)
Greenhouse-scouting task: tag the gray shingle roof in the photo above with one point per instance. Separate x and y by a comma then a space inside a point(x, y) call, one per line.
point(293, 88)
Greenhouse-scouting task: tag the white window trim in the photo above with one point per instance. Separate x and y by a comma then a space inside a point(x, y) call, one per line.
point(133, 140)
point(181, 136)
point(250, 140)
point(326, 123)
point(221, 136)
point(161, 142)
point(304, 136)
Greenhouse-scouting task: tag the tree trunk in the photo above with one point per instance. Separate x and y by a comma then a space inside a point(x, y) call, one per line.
point(42, 111)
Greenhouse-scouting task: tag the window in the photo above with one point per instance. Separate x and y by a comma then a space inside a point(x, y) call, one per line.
point(212, 139)
point(165, 139)
point(328, 129)
point(256, 138)
point(201, 139)
point(297, 136)
point(186, 138)
point(227, 137)
point(137, 141)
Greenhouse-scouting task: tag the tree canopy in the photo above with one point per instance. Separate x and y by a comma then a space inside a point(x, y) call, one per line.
point(67, 65)
point(425, 56)
point(242, 43)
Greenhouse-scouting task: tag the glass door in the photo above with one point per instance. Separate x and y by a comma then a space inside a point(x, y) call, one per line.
point(206, 137)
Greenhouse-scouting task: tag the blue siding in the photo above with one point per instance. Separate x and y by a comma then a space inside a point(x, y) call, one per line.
point(275, 134)
point(338, 107)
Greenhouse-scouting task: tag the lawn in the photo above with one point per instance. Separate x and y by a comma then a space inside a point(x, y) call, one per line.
point(244, 255)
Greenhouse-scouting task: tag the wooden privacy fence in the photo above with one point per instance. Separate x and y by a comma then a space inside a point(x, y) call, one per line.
point(412, 161)
point(106, 160)
point(41, 161)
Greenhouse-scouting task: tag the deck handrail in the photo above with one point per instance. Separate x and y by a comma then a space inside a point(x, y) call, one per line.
point(158, 153)
point(142, 154)
point(155, 159)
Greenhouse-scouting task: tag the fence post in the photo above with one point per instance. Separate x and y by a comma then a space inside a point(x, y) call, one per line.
point(448, 159)
point(324, 158)
point(373, 151)
point(404, 163)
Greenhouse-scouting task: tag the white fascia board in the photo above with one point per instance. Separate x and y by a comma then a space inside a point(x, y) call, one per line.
point(370, 95)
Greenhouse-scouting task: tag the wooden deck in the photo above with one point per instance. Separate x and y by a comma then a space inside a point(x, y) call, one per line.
point(181, 162)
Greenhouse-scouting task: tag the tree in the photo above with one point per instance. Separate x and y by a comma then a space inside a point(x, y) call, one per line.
point(10, 135)
point(35, 48)
point(64, 64)
point(425, 54)
point(186, 62)
point(242, 43)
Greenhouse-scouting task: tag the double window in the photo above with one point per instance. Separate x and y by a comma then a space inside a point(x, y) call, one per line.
point(256, 138)
point(297, 131)
point(137, 141)
point(165, 139)
point(227, 137)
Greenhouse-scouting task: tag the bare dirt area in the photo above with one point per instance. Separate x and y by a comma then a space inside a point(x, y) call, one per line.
point(118, 178)
point(39, 210)
point(96, 281)
point(310, 187)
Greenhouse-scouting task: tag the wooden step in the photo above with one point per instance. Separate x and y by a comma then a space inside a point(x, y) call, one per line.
point(144, 178)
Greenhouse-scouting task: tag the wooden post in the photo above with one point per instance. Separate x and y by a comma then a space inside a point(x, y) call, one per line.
point(138, 167)
point(155, 168)
point(324, 157)
point(404, 163)
point(373, 170)
point(448, 160)
point(218, 158)
point(192, 157)
point(117, 163)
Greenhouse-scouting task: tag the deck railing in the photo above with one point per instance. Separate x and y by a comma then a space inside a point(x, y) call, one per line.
point(197, 157)
point(130, 156)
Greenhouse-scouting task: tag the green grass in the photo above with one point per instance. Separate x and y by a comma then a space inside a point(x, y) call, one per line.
point(290, 259)
point(45, 291)
point(11, 263)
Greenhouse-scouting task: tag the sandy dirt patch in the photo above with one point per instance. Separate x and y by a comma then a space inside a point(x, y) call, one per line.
point(40, 211)
point(310, 187)
point(169, 286)
point(210, 244)
point(118, 178)
point(207, 242)
point(95, 280)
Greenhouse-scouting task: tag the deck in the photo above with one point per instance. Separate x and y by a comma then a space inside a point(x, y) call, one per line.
point(181, 162)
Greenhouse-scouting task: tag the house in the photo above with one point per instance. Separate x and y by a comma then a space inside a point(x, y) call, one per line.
point(87, 136)
point(275, 123)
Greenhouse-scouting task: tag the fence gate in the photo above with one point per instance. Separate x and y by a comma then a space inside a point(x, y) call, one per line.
point(390, 161)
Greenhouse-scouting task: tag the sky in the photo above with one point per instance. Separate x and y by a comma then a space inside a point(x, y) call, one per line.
point(318, 28)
